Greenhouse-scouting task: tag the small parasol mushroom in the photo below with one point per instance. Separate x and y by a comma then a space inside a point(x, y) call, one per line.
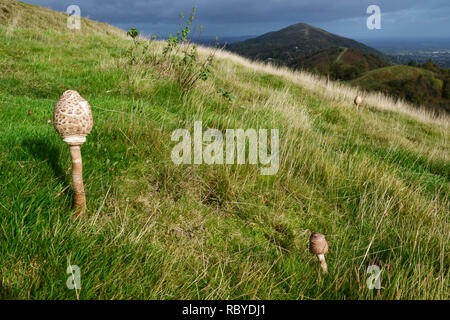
point(319, 246)
point(358, 101)
point(72, 118)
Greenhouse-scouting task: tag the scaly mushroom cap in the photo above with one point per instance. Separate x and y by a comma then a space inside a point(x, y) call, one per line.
point(72, 117)
point(318, 244)
point(358, 100)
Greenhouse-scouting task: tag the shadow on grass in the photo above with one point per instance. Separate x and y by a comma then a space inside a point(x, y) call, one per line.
point(7, 293)
point(43, 150)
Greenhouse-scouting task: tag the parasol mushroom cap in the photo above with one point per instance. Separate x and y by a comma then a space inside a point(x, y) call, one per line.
point(358, 100)
point(72, 118)
point(318, 244)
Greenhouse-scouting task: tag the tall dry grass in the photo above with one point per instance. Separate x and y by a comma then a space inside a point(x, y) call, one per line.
point(335, 91)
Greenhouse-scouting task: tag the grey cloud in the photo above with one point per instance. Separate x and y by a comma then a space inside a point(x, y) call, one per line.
point(244, 16)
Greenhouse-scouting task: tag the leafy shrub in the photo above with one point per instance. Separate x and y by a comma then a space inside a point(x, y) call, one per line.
point(446, 89)
point(179, 60)
point(133, 33)
point(422, 91)
point(343, 71)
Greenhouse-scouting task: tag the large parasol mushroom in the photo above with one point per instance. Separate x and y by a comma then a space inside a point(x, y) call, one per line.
point(72, 118)
point(319, 246)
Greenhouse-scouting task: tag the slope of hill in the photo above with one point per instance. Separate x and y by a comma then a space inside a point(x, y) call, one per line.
point(375, 182)
point(372, 79)
point(18, 14)
point(292, 42)
point(414, 84)
point(339, 63)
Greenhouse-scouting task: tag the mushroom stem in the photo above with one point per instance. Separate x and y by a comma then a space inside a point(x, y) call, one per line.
point(323, 263)
point(77, 177)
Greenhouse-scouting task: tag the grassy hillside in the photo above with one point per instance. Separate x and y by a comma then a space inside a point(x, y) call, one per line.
point(18, 14)
point(374, 78)
point(375, 182)
point(292, 42)
point(415, 84)
point(339, 63)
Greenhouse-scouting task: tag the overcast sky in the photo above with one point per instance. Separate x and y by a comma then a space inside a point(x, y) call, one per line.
point(399, 18)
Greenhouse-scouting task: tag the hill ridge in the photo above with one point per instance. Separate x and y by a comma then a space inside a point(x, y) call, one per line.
point(294, 41)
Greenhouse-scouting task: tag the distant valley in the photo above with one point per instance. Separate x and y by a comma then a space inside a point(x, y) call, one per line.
point(439, 57)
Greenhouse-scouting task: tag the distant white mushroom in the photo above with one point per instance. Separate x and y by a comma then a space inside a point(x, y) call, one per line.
point(72, 118)
point(358, 101)
point(318, 245)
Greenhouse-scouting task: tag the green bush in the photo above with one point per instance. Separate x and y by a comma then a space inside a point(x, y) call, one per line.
point(179, 60)
point(446, 89)
point(133, 33)
point(180, 57)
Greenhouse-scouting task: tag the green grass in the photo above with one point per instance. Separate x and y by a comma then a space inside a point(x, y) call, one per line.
point(375, 182)
point(15, 14)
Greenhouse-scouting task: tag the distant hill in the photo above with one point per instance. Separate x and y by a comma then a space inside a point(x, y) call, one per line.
point(339, 63)
point(425, 84)
point(292, 42)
